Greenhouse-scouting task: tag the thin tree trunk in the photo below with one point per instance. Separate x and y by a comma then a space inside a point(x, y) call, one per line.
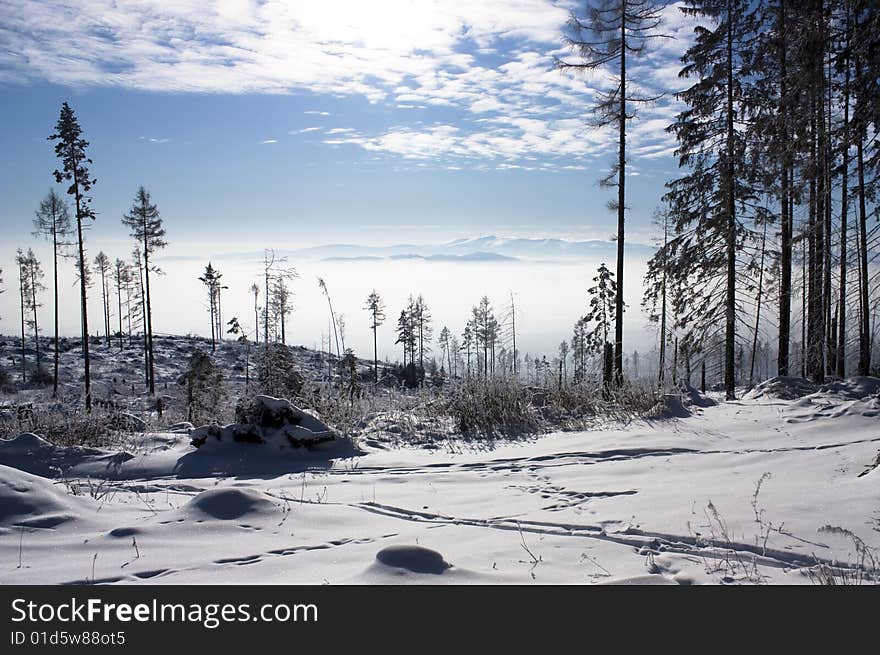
point(844, 221)
point(34, 308)
point(662, 372)
point(149, 319)
point(21, 297)
point(106, 305)
point(55, 292)
point(211, 312)
point(84, 303)
point(758, 310)
point(621, 209)
point(119, 306)
point(786, 223)
point(375, 352)
point(865, 327)
point(730, 329)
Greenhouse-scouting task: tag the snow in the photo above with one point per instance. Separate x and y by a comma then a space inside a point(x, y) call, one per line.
point(730, 492)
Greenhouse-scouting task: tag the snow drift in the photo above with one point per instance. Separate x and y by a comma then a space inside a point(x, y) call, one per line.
point(270, 421)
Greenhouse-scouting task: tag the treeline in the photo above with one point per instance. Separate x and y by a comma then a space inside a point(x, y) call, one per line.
point(779, 162)
point(778, 157)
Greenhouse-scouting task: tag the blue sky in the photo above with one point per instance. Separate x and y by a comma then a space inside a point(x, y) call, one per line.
point(412, 120)
point(265, 123)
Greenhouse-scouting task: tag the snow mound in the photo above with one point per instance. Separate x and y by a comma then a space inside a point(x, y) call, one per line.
point(857, 396)
point(32, 501)
point(228, 504)
point(26, 443)
point(783, 387)
point(669, 406)
point(694, 398)
point(415, 559)
point(266, 420)
point(856, 388)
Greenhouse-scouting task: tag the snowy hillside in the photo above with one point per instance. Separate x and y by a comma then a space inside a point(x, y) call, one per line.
point(778, 487)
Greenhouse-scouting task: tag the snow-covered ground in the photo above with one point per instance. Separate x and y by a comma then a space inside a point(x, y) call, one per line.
point(738, 492)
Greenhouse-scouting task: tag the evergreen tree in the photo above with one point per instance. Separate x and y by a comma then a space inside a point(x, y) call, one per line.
point(468, 343)
point(707, 198)
point(613, 31)
point(255, 289)
point(122, 279)
point(71, 149)
point(102, 264)
point(421, 319)
point(23, 293)
point(602, 308)
point(211, 279)
point(52, 221)
point(444, 340)
point(147, 229)
point(282, 303)
point(204, 389)
point(377, 316)
point(485, 329)
point(236, 329)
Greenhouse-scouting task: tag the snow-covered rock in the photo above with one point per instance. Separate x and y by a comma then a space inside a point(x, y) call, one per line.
point(268, 420)
point(784, 387)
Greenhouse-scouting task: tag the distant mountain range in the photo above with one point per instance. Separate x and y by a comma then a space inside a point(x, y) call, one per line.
point(486, 249)
point(482, 249)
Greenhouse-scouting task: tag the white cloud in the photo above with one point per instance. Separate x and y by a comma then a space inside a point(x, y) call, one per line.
point(491, 61)
point(265, 141)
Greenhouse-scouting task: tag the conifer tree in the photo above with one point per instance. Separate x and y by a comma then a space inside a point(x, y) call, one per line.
point(211, 279)
point(52, 221)
point(706, 199)
point(602, 299)
point(102, 264)
point(122, 279)
point(377, 316)
point(147, 229)
point(611, 33)
point(71, 149)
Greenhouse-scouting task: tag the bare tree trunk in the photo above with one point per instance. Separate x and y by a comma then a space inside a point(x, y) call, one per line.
point(119, 308)
point(21, 297)
point(758, 310)
point(55, 291)
point(83, 299)
point(621, 209)
point(34, 308)
point(865, 327)
point(730, 313)
point(844, 221)
point(148, 321)
point(786, 223)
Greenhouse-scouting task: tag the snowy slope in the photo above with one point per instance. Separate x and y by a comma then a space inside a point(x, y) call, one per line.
point(660, 502)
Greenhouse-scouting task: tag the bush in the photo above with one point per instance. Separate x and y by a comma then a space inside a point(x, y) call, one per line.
point(277, 375)
point(204, 389)
point(492, 406)
point(75, 429)
point(40, 376)
point(6, 385)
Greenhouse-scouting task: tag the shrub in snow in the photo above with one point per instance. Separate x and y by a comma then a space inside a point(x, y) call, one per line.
point(490, 406)
point(5, 381)
point(277, 374)
point(204, 388)
point(39, 376)
point(267, 420)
